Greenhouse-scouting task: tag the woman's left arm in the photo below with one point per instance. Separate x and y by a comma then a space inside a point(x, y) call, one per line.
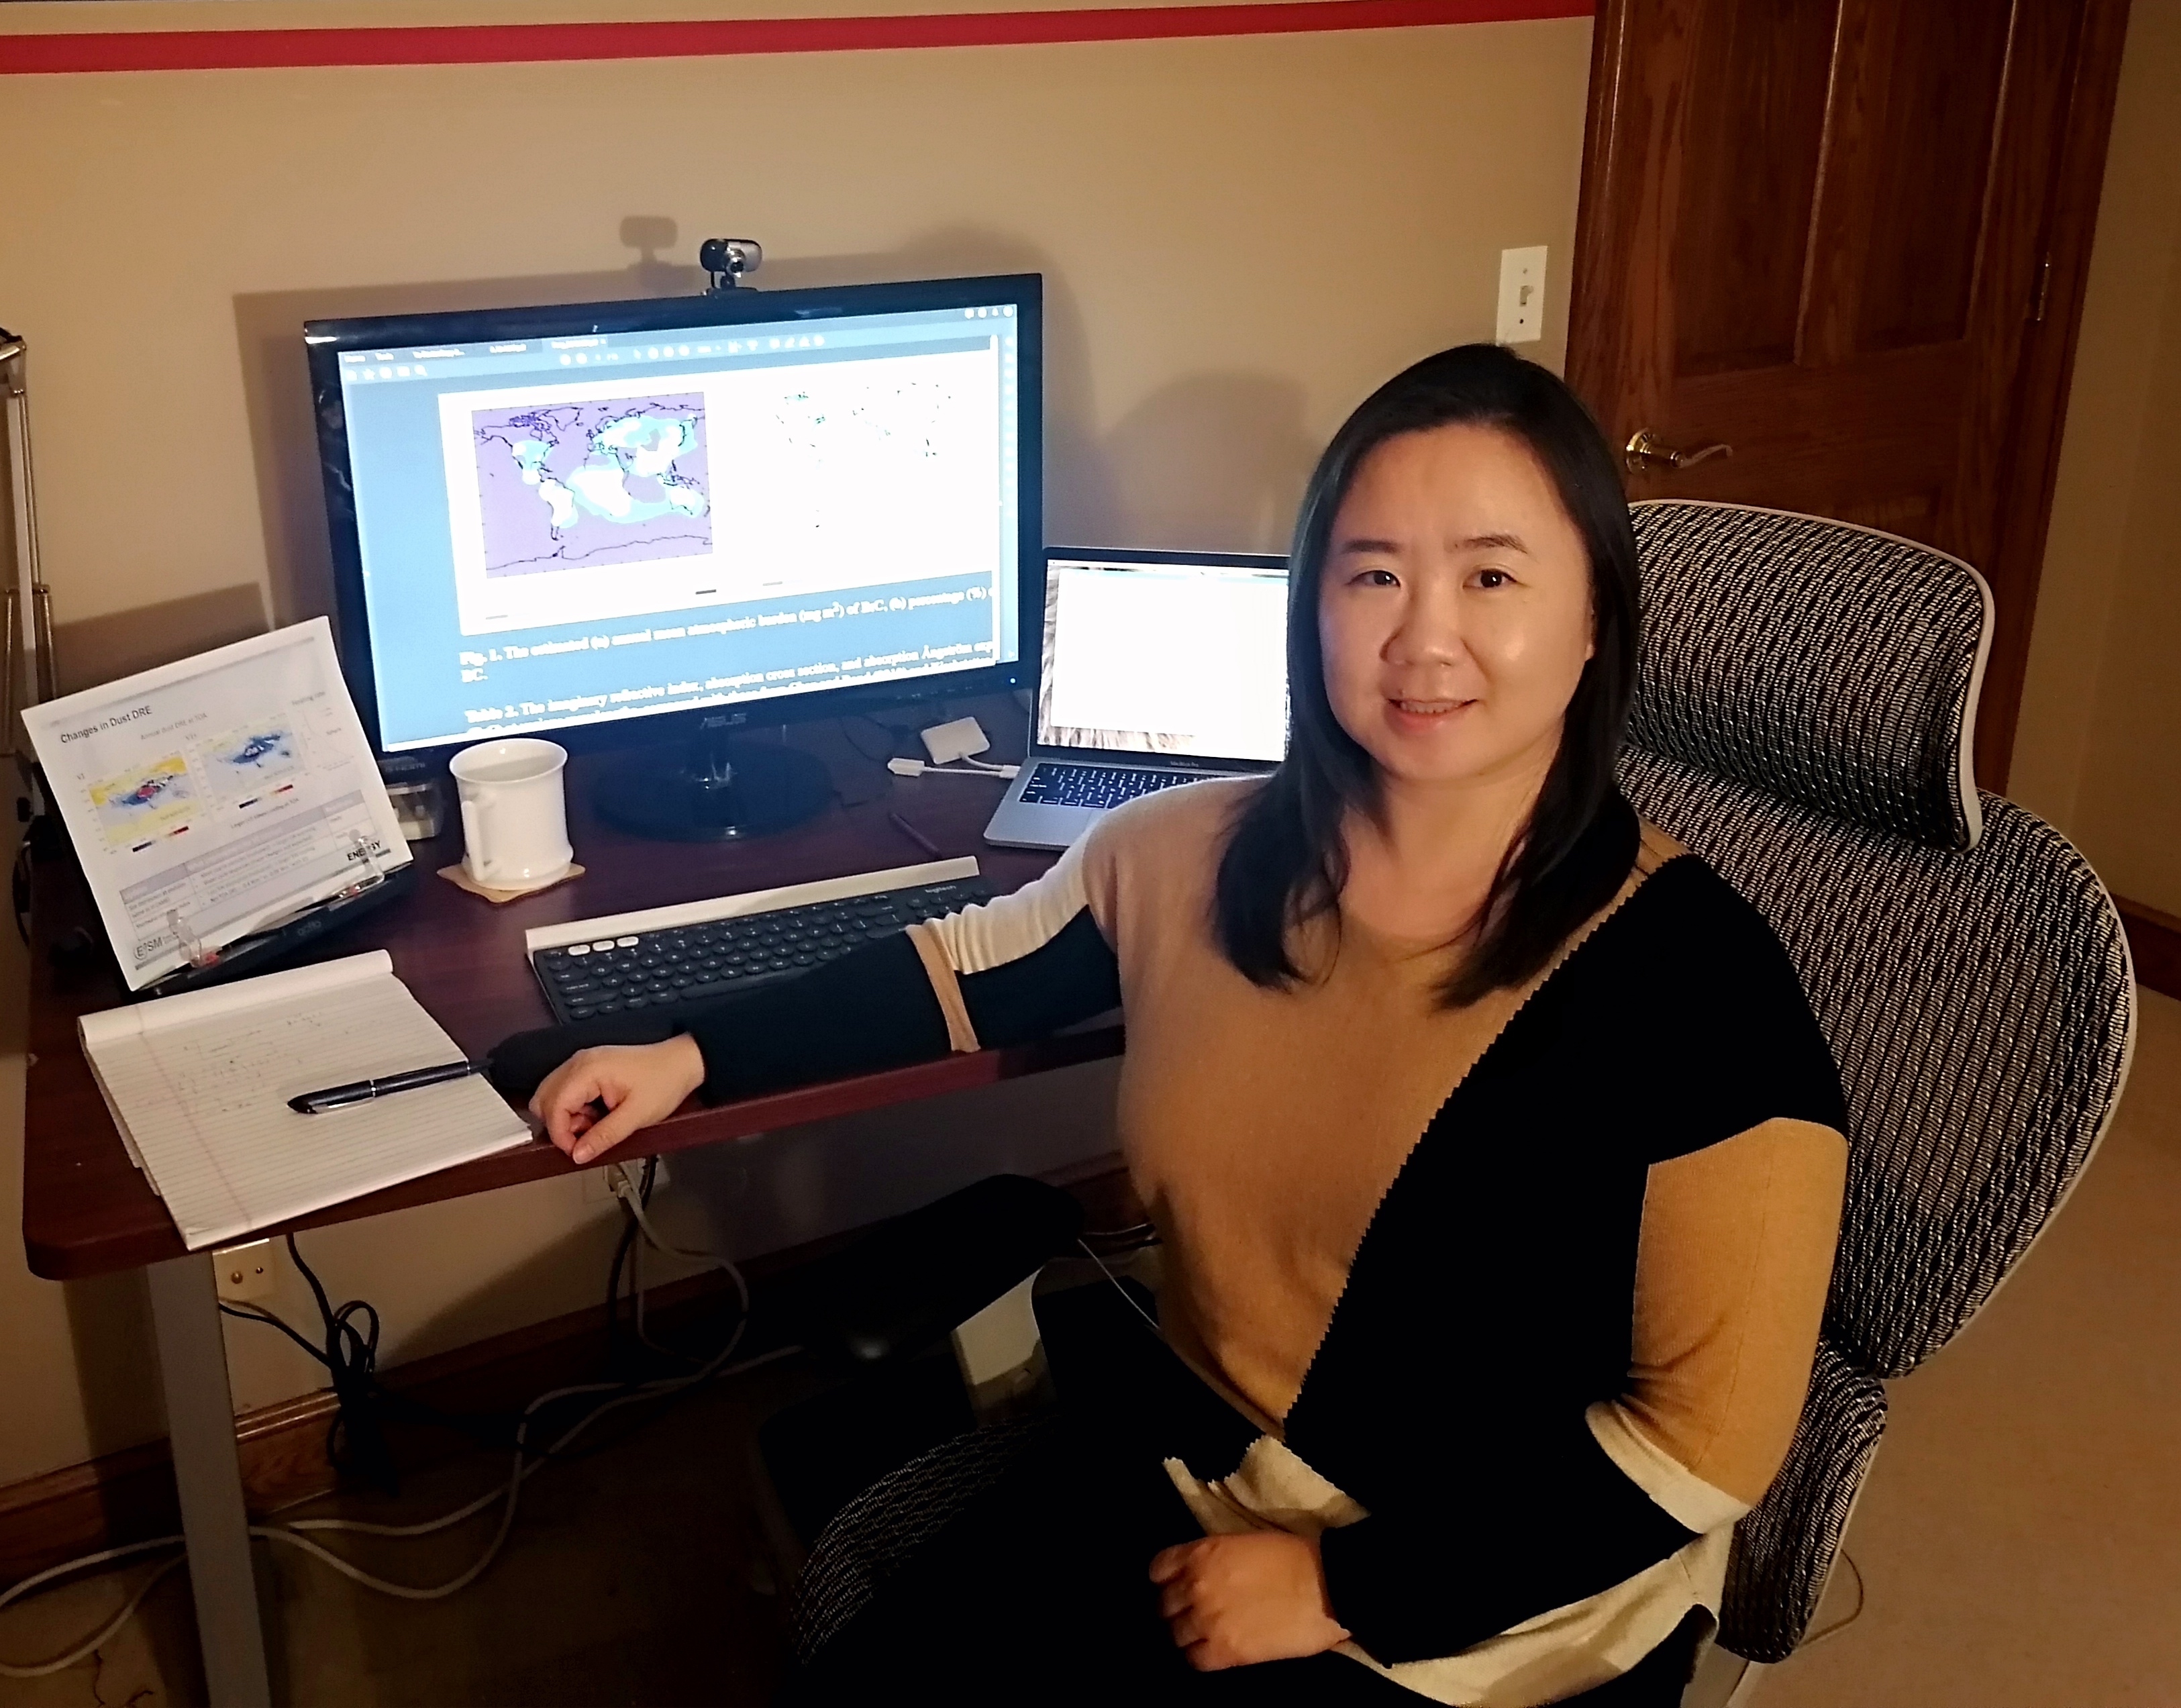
point(1733, 1270)
point(1734, 1259)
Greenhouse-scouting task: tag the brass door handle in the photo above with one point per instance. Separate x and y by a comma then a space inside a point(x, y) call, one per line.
point(1646, 453)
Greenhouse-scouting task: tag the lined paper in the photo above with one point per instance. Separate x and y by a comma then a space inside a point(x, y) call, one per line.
point(199, 1083)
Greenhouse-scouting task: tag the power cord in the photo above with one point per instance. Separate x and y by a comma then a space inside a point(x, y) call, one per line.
point(1150, 1321)
point(636, 1197)
point(637, 1235)
point(960, 767)
point(17, 1592)
point(635, 1200)
point(1854, 1613)
point(1119, 1241)
point(355, 1443)
point(625, 1256)
point(898, 736)
point(351, 1349)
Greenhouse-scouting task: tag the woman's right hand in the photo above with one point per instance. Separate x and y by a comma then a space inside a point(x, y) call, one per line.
point(638, 1084)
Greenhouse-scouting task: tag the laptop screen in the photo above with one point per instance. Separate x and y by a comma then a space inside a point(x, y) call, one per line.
point(1180, 658)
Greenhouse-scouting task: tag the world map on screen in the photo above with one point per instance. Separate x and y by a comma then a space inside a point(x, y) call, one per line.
point(570, 486)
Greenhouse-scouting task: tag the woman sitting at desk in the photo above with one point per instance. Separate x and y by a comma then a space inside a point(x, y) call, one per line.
point(1496, 1154)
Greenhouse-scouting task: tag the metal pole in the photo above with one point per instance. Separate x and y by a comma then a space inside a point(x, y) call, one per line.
point(208, 1476)
point(39, 680)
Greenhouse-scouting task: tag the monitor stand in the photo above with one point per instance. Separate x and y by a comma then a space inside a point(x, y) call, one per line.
point(711, 791)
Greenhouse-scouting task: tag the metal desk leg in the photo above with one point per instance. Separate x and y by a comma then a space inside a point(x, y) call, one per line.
point(201, 1421)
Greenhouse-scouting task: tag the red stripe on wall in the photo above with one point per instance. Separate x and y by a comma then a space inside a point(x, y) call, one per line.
point(474, 44)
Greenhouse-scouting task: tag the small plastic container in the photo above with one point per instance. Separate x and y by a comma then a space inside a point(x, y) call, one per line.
point(419, 801)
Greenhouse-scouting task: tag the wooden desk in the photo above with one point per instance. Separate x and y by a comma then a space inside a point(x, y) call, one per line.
point(87, 1210)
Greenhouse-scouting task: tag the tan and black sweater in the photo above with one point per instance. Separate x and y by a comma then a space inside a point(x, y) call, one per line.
point(1523, 1296)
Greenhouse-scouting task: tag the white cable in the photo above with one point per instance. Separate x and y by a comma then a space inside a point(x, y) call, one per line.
point(617, 1177)
point(1854, 1613)
point(631, 1198)
point(624, 1189)
point(1122, 1291)
point(968, 768)
point(636, 1287)
point(290, 1534)
point(16, 1593)
point(521, 1474)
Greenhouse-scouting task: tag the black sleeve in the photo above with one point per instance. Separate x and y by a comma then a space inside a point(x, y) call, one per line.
point(868, 1011)
point(1069, 977)
point(1023, 965)
point(876, 1009)
point(1438, 1575)
point(863, 1013)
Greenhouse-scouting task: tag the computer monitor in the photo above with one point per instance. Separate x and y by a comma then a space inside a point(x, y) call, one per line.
point(661, 520)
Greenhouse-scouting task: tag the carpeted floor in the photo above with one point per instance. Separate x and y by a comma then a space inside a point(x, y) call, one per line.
point(634, 1576)
point(2020, 1536)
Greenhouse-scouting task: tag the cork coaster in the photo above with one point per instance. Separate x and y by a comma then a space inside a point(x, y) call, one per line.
point(458, 875)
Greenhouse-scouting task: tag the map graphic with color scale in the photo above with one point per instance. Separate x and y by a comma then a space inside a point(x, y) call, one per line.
point(574, 485)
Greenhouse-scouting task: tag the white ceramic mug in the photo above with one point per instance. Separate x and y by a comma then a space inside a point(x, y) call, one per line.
point(515, 816)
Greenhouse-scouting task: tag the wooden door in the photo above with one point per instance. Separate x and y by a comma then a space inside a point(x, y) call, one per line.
point(1847, 238)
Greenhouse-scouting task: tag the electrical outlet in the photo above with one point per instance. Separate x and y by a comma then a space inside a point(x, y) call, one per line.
point(246, 1273)
point(1522, 295)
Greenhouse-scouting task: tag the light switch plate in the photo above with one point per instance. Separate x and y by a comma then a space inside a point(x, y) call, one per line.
point(1522, 295)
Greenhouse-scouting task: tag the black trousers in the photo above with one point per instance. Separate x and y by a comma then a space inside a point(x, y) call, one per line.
point(1039, 1591)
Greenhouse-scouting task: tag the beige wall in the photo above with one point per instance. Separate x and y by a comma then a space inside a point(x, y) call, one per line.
point(2098, 750)
point(1240, 237)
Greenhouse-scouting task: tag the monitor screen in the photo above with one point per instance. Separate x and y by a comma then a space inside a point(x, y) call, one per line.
point(1157, 653)
point(550, 519)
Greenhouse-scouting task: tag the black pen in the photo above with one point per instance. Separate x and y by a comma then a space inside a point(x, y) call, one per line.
point(363, 1091)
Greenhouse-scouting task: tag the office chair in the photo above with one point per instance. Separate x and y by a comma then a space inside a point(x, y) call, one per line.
point(865, 1469)
point(1802, 721)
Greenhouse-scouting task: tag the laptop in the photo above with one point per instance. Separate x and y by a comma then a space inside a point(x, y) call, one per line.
point(1158, 668)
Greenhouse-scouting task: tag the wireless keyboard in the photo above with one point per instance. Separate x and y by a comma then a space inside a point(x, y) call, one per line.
point(1053, 783)
point(665, 958)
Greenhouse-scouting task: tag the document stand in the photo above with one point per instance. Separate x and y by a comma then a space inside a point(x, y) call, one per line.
point(262, 951)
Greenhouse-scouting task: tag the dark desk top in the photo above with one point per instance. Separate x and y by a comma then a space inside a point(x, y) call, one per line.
point(87, 1210)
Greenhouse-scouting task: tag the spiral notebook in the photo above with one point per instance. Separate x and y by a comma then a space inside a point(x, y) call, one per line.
point(199, 1086)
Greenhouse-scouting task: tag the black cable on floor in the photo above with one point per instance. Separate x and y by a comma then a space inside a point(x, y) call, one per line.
point(356, 1441)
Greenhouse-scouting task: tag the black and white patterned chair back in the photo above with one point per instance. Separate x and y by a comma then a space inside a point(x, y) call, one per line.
point(1826, 664)
point(1803, 721)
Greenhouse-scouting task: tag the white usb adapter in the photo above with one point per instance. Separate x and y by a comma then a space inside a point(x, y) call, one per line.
point(948, 742)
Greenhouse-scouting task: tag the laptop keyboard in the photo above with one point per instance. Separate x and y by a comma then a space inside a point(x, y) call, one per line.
point(695, 962)
point(1055, 784)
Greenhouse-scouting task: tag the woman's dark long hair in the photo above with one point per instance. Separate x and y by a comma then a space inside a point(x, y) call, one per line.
point(1285, 862)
